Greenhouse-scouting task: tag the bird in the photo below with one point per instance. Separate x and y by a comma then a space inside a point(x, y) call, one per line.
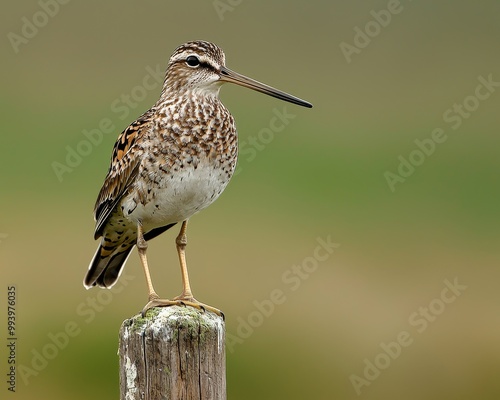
point(169, 164)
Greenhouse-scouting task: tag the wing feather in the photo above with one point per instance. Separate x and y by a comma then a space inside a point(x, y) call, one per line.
point(124, 168)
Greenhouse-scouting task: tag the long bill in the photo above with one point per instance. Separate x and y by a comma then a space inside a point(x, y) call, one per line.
point(227, 75)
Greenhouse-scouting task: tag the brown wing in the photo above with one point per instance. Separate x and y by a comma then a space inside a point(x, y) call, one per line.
point(124, 167)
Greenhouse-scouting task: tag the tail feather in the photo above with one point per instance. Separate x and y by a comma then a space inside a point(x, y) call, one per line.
point(104, 271)
point(107, 264)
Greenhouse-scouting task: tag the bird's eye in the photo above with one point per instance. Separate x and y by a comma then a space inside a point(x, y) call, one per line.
point(192, 61)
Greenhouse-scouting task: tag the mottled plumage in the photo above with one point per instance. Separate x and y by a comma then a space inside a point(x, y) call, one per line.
point(169, 164)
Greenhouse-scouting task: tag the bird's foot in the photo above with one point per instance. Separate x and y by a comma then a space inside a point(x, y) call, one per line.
point(155, 301)
point(192, 302)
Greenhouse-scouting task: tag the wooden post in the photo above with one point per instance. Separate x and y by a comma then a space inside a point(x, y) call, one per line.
point(173, 353)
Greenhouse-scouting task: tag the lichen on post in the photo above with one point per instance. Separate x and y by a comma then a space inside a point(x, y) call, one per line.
point(173, 353)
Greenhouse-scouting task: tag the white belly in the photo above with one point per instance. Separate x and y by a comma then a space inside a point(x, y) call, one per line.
point(177, 198)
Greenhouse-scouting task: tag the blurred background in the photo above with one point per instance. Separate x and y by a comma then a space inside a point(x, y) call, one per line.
point(414, 236)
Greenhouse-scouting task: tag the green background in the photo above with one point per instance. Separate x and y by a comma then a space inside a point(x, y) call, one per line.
point(320, 177)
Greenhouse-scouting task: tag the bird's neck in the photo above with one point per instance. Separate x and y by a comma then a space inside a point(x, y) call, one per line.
point(198, 98)
point(192, 108)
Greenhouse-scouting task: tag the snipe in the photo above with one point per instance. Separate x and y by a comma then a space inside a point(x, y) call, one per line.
point(172, 162)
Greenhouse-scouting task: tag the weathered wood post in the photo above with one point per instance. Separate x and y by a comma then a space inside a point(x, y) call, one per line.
point(173, 353)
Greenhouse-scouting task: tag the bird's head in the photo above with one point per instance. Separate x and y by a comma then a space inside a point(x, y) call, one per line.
point(200, 66)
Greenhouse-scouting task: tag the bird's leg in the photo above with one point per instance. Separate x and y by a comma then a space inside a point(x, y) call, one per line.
point(181, 243)
point(186, 296)
point(154, 299)
point(142, 246)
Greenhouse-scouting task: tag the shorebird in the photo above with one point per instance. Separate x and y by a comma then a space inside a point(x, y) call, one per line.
point(172, 162)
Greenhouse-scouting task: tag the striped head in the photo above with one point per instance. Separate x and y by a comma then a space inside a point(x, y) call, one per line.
point(200, 66)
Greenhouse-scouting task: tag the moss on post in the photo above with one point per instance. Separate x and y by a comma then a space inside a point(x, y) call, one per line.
point(173, 353)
